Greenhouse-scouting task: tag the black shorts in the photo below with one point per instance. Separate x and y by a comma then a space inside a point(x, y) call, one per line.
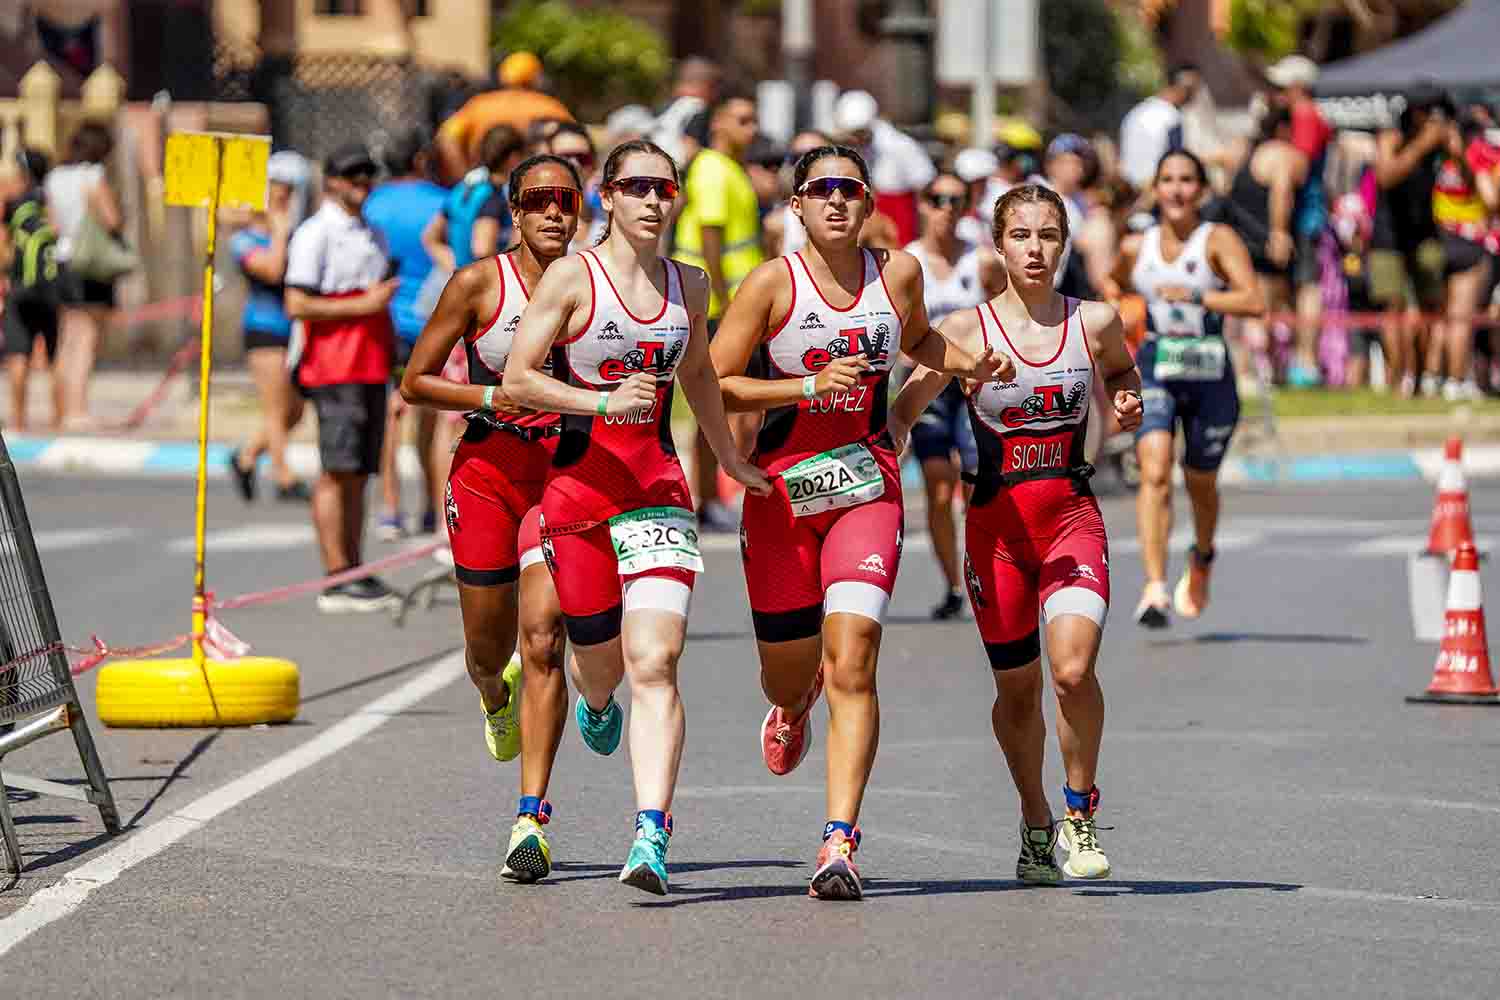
point(1307, 265)
point(351, 426)
point(88, 292)
point(256, 339)
point(24, 322)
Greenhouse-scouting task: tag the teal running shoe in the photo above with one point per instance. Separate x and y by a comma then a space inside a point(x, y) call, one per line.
point(646, 866)
point(600, 730)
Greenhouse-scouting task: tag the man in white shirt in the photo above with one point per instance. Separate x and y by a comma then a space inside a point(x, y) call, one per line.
point(1154, 126)
point(899, 167)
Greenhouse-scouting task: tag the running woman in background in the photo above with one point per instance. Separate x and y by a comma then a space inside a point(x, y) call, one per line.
point(1034, 536)
point(821, 550)
point(1192, 274)
point(493, 496)
point(956, 275)
point(618, 527)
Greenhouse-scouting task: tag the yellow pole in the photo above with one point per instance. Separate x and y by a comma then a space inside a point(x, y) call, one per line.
point(205, 364)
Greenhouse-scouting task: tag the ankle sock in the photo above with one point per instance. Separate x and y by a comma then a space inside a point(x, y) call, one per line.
point(656, 816)
point(1084, 802)
point(837, 824)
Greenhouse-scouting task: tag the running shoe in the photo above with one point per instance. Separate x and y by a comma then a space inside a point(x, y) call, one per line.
point(366, 595)
point(244, 479)
point(1301, 377)
point(646, 865)
point(785, 741)
point(388, 528)
point(1188, 600)
point(600, 730)
point(1432, 385)
point(1080, 838)
point(529, 857)
point(836, 877)
point(502, 727)
point(295, 491)
point(717, 519)
point(429, 522)
point(1154, 611)
point(951, 606)
point(1036, 865)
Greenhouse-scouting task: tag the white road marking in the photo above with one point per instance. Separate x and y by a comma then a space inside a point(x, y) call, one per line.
point(250, 538)
point(51, 904)
point(1229, 540)
point(1401, 545)
point(59, 541)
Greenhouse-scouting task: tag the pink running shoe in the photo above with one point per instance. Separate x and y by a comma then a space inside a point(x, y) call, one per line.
point(785, 741)
point(836, 877)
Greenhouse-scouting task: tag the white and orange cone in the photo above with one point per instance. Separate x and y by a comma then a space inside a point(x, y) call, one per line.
point(1451, 526)
point(1462, 674)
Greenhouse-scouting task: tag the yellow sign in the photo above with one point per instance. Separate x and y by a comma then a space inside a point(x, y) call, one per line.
point(198, 162)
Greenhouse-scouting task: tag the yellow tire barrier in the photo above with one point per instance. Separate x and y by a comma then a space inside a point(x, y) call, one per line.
point(164, 693)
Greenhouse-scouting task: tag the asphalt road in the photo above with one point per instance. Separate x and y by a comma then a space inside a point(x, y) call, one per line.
point(1282, 823)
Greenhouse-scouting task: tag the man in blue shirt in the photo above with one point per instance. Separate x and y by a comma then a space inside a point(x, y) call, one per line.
point(400, 209)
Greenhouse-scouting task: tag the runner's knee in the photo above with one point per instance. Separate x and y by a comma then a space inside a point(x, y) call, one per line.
point(1072, 674)
point(651, 663)
point(849, 671)
point(542, 645)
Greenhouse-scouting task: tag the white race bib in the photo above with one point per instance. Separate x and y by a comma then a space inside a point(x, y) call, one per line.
point(654, 537)
point(1178, 319)
point(842, 477)
point(1190, 359)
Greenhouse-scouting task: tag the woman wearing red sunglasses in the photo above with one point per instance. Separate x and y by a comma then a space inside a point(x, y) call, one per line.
point(619, 532)
point(493, 495)
point(821, 550)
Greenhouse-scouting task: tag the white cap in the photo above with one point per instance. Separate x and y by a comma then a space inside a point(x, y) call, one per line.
point(975, 164)
point(1293, 71)
point(854, 111)
point(632, 118)
point(287, 167)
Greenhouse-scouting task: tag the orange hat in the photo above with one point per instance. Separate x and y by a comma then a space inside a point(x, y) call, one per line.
point(520, 69)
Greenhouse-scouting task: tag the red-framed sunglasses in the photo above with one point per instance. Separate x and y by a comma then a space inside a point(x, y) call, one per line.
point(852, 188)
point(537, 199)
point(639, 187)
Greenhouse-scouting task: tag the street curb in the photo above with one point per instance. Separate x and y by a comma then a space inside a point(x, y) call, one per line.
point(179, 459)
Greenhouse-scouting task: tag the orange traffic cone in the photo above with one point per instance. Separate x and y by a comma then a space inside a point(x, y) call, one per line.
point(1451, 526)
point(1462, 675)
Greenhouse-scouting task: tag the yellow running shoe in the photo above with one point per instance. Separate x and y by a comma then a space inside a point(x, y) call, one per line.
point(502, 729)
point(1080, 838)
point(529, 857)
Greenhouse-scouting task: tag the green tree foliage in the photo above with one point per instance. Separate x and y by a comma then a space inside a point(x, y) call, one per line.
point(597, 59)
point(1098, 60)
point(1269, 29)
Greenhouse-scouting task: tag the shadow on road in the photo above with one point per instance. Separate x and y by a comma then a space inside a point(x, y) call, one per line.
point(1314, 638)
point(376, 678)
point(582, 872)
point(875, 888)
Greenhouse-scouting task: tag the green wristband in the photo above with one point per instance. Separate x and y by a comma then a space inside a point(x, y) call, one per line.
point(603, 406)
point(489, 398)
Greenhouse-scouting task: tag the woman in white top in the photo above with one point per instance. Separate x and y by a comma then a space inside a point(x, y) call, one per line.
point(75, 191)
point(956, 275)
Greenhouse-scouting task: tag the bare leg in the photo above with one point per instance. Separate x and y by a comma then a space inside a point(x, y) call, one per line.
point(17, 371)
point(1022, 734)
point(851, 649)
point(390, 476)
point(940, 476)
point(1072, 650)
point(489, 617)
point(652, 642)
point(545, 706)
point(1153, 506)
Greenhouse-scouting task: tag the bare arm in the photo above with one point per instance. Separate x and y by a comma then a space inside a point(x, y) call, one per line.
point(925, 385)
point(1396, 159)
point(1113, 362)
point(484, 238)
point(1121, 276)
point(1288, 172)
point(923, 344)
point(457, 312)
point(713, 261)
point(305, 305)
point(1230, 259)
point(269, 265)
point(105, 206)
point(435, 240)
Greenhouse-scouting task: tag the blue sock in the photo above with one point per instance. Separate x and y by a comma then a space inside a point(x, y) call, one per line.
point(654, 815)
point(838, 824)
point(1084, 802)
point(531, 805)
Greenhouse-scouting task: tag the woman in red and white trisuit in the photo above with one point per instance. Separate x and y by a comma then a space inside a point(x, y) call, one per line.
point(494, 492)
point(1035, 538)
point(618, 527)
point(822, 549)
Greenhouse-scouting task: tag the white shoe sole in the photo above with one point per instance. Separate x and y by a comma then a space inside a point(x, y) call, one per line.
point(1067, 866)
point(643, 878)
point(339, 604)
point(836, 882)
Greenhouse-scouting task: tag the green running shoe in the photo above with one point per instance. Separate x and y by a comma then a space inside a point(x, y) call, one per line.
point(502, 728)
point(600, 730)
point(1037, 865)
point(646, 866)
point(529, 857)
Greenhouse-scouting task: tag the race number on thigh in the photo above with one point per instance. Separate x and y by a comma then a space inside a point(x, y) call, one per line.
point(842, 477)
point(1194, 359)
point(654, 538)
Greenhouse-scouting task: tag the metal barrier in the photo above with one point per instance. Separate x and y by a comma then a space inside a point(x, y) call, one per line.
point(37, 696)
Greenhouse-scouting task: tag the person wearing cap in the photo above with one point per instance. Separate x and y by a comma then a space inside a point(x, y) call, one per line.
point(518, 102)
point(475, 220)
point(975, 167)
point(339, 285)
point(1070, 168)
point(1293, 78)
point(718, 229)
point(400, 209)
point(260, 251)
point(29, 242)
point(899, 167)
point(1154, 126)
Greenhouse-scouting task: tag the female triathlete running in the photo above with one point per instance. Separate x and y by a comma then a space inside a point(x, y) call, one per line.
point(821, 550)
point(1192, 274)
point(617, 324)
point(493, 495)
point(956, 275)
point(1034, 534)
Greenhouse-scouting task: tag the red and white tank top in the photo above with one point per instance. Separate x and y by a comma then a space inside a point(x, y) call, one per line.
point(607, 465)
point(488, 347)
point(1030, 432)
point(814, 333)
